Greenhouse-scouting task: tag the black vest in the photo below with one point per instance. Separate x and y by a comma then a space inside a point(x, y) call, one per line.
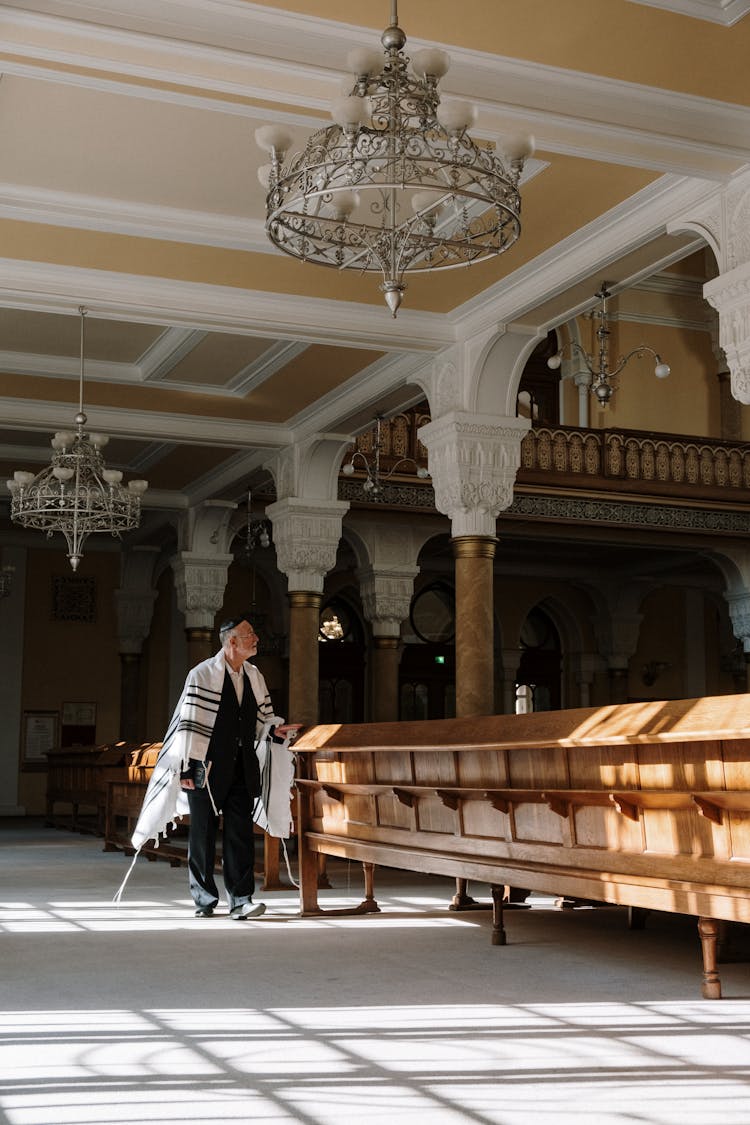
point(231, 750)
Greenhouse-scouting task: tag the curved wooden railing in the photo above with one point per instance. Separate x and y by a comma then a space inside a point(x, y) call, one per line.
point(643, 462)
point(636, 461)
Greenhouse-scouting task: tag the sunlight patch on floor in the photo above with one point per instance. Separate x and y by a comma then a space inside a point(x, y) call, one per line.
point(500, 1064)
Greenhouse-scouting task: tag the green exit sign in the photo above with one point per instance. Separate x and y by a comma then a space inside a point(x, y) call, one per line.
point(440, 660)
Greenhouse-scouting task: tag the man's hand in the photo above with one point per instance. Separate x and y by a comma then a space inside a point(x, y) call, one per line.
point(289, 730)
point(187, 783)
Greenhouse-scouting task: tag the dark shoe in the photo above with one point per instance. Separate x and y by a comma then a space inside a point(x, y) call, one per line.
point(204, 912)
point(247, 910)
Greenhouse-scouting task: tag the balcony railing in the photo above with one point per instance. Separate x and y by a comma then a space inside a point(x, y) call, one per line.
point(652, 466)
point(635, 461)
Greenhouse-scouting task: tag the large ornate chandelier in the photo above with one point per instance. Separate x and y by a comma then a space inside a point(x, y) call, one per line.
point(396, 185)
point(76, 494)
point(599, 366)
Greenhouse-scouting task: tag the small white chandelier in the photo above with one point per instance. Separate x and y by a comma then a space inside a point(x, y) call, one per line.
point(396, 185)
point(76, 494)
point(598, 367)
point(372, 485)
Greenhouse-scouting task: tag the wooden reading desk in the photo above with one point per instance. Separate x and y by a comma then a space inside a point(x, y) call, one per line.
point(645, 805)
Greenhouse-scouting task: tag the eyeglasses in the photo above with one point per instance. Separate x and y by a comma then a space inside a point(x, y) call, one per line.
point(245, 636)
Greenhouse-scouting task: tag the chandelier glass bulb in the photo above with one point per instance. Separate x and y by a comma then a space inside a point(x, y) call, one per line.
point(393, 140)
point(76, 494)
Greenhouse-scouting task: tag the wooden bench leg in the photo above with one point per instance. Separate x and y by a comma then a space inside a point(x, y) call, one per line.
point(369, 904)
point(324, 883)
point(271, 865)
point(708, 930)
point(498, 929)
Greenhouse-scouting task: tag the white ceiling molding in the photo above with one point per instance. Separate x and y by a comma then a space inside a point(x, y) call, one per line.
point(154, 452)
point(726, 12)
point(679, 322)
point(363, 391)
point(231, 69)
point(624, 228)
point(273, 359)
point(141, 462)
point(684, 134)
point(143, 220)
point(48, 287)
point(149, 424)
point(157, 93)
point(675, 285)
point(68, 367)
point(167, 351)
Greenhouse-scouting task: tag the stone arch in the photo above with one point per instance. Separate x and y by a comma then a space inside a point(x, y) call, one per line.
point(495, 383)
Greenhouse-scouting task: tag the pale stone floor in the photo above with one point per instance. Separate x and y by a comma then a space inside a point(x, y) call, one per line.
point(146, 1014)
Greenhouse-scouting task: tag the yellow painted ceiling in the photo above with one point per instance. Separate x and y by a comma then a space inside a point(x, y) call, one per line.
point(129, 164)
point(614, 38)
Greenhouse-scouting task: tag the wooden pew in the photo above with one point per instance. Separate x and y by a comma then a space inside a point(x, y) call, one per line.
point(124, 798)
point(645, 805)
point(77, 778)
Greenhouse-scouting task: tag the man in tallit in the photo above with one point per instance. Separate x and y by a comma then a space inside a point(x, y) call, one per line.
point(225, 752)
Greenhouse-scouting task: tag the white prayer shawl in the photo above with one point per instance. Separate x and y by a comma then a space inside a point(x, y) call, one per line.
point(188, 737)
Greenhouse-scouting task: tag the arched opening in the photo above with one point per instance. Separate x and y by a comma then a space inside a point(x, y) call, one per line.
point(427, 674)
point(342, 663)
point(538, 679)
point(539, 391)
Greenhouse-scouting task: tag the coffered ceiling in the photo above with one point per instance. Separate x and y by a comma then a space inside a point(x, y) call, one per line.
point(128, 185)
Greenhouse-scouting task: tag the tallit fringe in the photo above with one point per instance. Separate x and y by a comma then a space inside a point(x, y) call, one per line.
point(288, 868)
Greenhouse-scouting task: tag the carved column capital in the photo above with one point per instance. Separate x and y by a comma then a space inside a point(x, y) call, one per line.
point(200, 582)
point(306, 534)
point(386, 597)
point(730, 296)
point(134, 601)
point(134, 612)
point(473, 459)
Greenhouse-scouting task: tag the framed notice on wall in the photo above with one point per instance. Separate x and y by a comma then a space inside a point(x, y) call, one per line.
point(40, 734)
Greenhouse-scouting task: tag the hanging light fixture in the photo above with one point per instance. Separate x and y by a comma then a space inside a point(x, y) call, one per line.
point(598, 367)
point(256, 532)
point(76, 494)
point(372, 486)
point(396, 185)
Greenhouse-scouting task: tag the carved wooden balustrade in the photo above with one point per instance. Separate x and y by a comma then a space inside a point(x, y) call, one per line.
point(636, 461)
point(652, 466)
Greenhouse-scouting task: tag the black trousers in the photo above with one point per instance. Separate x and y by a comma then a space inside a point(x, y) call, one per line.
point(238, 845)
